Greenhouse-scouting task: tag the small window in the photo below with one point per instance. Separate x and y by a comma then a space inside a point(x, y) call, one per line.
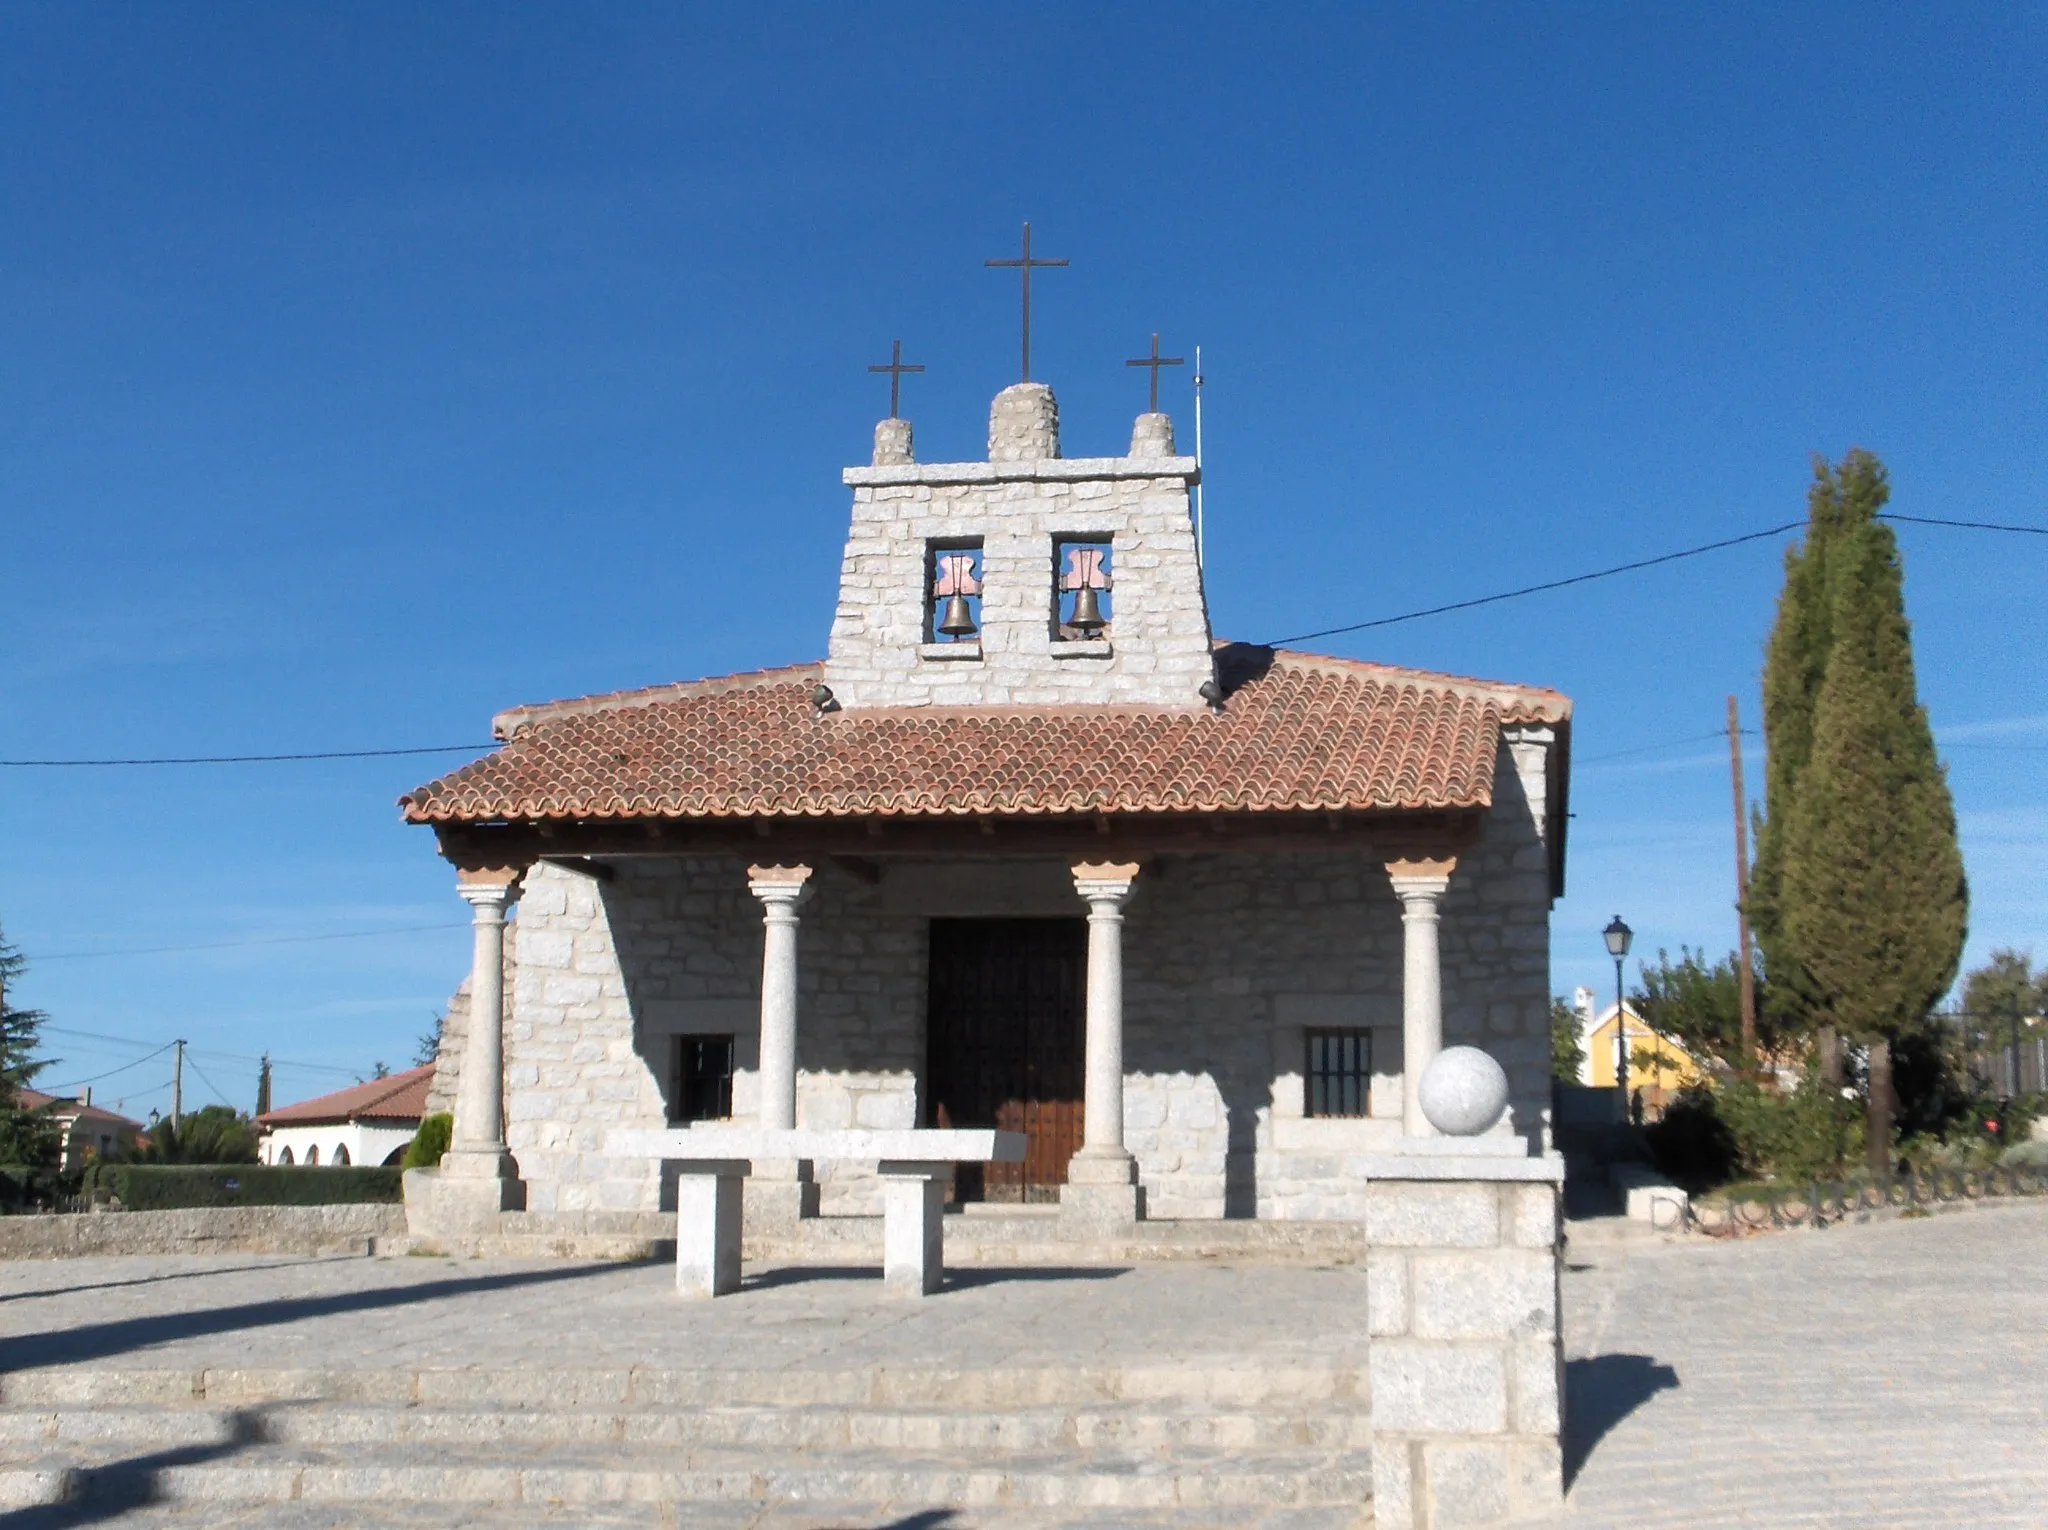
point(703, 1078)
point(1082, 578)
point(952, 601)
point(312, 1158)
point(341, 1157)
point(1339, 1072)
point(284, 1157)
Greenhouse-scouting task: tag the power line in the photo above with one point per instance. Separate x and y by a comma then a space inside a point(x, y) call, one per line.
point(264, 759)
point(231, 945)
point(75, 1083)
point(238, 1057)
point(1629, 568)
point(1929, 520)
point(1538, 589)
point(1669, 743)
point(217, 1094)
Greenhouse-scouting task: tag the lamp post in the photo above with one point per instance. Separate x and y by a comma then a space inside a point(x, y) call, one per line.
point(1618, 937)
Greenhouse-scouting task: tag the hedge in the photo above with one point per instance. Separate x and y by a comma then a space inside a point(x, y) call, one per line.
point(430, 1143)
point(166, 1187)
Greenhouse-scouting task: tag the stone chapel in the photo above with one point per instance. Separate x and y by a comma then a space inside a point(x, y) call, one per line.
point(1029, 848)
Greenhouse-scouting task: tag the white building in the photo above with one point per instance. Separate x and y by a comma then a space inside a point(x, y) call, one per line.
point(367, 1124)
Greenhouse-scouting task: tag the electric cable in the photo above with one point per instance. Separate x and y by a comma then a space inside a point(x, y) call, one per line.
point(265, 759)
point(231, 945)
point(63, 1088)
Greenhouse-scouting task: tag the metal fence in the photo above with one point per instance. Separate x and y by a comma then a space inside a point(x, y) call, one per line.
point(1822, 1204)
point(2004, 1071)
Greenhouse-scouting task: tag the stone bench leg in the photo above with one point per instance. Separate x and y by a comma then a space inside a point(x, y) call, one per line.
point(913, 1227)
point(709, 1206)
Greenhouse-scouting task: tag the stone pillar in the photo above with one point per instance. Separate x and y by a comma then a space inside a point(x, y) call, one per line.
point(478, 1177)
point(1152, 436)
point(1462, 1270)
point(1102, 1178)
point(1420, 886)
point(781, 1190)
point(1024, 424)
point(892, 443)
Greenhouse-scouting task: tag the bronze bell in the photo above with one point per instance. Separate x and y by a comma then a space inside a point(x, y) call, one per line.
point(958, 621)
point(1087, 618)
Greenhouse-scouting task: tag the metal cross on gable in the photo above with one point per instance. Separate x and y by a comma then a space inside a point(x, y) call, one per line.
point(1027, 265)
point(896, 369)
point(1155, 361)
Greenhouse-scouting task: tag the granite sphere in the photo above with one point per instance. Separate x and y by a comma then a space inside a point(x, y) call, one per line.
point(1463, 1091)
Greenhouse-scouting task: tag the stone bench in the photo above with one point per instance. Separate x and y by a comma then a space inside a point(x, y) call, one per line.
point(716, 1160)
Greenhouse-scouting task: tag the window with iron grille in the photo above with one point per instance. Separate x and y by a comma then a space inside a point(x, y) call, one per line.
point(703, 1078)
point(1339, 1072)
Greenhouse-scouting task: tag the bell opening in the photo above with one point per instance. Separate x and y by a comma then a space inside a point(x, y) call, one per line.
point(953, 592)
point(1082, 603)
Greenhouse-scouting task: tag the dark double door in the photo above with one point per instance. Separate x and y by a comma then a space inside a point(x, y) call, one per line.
point(1005, 1033)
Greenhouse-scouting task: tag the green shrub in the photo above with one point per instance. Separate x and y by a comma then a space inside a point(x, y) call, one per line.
point(430, 1142)
point(166, 1187)
point(1714, 1132)
point(2027, 1155)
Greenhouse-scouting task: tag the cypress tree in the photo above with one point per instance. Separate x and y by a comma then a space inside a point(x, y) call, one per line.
point(1871, 897)
point(27, 1136)
point(1795, 663)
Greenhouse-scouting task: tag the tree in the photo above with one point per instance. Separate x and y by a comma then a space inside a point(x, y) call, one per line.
point(429, 1047)
point(1871, 902)
point(2004, 987)
point(1795, 664)
point(1566, 1051)
point(27, 1136)
point(1699, 1006)
point(212, 1134)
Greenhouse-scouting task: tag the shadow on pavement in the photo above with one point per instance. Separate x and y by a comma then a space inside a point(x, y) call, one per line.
point(1601, 1391)
point(168, 1275)
point(100, 1341)
point(956, 1280)
point(113, 1490)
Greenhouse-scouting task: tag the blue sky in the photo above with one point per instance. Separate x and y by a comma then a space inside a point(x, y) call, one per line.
point(368, 369)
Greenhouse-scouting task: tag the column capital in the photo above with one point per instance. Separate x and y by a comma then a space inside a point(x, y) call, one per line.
point(489, 891)
point(1421, 883)
point(1105, 881)
point(784, 885)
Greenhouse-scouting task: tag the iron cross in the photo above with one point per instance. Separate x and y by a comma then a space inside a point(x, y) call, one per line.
point(1026, 264)
point(1155, 361)
point(895, 369)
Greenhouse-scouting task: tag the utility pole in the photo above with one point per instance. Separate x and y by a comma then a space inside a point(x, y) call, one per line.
point(178, 1089)
point(1745, 974)
point(1201, 550)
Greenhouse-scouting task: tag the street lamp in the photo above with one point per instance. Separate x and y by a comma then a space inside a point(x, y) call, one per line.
point(1618, 937)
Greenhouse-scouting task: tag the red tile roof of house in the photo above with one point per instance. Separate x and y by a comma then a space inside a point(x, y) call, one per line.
point(401, 1097)
point(1297, 732)
point(35, 1099)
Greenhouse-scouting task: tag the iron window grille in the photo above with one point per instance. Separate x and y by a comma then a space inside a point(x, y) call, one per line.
point(1339, 1072)
point(703, 1078)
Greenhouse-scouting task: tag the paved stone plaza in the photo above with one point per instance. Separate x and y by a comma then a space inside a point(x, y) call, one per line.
point(1887, 1375)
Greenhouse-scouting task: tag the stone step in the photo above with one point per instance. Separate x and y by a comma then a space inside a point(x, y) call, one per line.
point(29, 1431)
point(875, 1386)
point(255, 1472)
point(732, 1515)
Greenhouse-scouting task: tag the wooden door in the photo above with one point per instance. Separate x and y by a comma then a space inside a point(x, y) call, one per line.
point(1005, 1033)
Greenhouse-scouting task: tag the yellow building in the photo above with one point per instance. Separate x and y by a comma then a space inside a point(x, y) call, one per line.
point(1658, 1066)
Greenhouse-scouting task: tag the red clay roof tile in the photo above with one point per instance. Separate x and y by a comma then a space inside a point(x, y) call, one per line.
point(1298, 732)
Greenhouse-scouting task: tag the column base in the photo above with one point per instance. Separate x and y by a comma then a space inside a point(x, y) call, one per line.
point(1101, 1193)
point(780, 1193)
point(468, 1200)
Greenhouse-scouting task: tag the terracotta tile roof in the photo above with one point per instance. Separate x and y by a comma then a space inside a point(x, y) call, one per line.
point(1298, 732)
point(35, 1099)
point(401, 1097)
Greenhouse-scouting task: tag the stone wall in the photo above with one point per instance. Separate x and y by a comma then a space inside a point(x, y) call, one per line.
point(1228, 959)
point(1157, 649)
point(201, 1230)
point(1462, 1303)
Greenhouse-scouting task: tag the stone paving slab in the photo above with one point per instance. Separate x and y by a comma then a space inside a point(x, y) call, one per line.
point(359, 1313)
point(1894, 1374)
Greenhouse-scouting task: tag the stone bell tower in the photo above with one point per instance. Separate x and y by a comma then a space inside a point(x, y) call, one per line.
point(1028, 579)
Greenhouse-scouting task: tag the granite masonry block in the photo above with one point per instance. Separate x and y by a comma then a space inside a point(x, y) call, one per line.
point(1457, 1213)
point(1501, 1293)
point(1420, 1387)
